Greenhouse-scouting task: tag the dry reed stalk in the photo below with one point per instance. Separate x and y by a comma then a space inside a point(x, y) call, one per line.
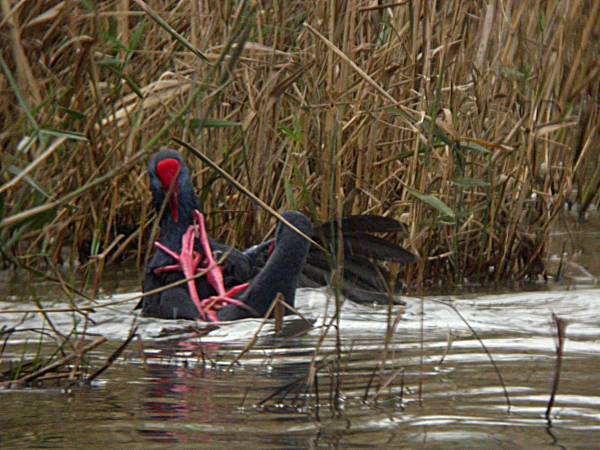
point(451, 113)
point(72, 358)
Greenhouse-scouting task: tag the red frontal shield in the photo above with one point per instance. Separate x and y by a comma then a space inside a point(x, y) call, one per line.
point(168, 173)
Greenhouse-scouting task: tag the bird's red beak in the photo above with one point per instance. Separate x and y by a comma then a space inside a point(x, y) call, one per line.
point(168, 173)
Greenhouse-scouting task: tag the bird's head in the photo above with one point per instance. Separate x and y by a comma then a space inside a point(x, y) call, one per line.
point(170, 179)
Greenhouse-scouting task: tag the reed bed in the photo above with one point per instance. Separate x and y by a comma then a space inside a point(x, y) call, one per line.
point(472, 122)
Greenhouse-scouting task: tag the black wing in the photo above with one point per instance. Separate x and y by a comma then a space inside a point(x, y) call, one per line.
point(364, 278)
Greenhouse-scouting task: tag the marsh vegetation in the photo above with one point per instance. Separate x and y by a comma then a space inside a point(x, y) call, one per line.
point(474, 123)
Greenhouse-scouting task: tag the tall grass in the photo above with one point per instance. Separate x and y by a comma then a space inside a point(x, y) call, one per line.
point(473, 122)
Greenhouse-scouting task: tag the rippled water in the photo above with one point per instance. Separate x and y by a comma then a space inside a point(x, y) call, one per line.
point(437, 388)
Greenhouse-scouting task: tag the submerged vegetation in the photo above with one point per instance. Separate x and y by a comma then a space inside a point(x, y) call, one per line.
point(472, 122)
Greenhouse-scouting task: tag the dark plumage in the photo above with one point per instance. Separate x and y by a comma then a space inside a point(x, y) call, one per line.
point(279, 274)
point(279, 271)
point(175, 303)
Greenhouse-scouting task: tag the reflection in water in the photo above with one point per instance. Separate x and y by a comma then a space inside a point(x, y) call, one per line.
point(173, 390)
point(437, 388)
point(167, 399)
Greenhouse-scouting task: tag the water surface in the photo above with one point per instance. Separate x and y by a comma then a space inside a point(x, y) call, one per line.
point(431, 384)
point(437, 387)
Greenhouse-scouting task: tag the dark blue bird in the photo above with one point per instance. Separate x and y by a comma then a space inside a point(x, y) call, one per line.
point(278, 265)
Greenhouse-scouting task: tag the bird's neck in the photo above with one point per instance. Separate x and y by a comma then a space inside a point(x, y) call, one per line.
point(171, 231)
point(288, 259)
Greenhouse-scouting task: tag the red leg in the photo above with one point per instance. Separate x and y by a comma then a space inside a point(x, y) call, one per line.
point(188, 261)
point(215, 277)
point(215, 303)
point(215, 274)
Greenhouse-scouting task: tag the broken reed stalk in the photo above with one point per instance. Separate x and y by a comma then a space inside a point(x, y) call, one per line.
point(277, 309)
point(55, 365)
point(483, 346)
point(114, 356)
point(561, 329)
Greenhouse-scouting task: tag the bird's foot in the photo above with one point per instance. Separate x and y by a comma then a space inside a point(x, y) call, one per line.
point(187, 262)
point(215, 273)
point(214, 304)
